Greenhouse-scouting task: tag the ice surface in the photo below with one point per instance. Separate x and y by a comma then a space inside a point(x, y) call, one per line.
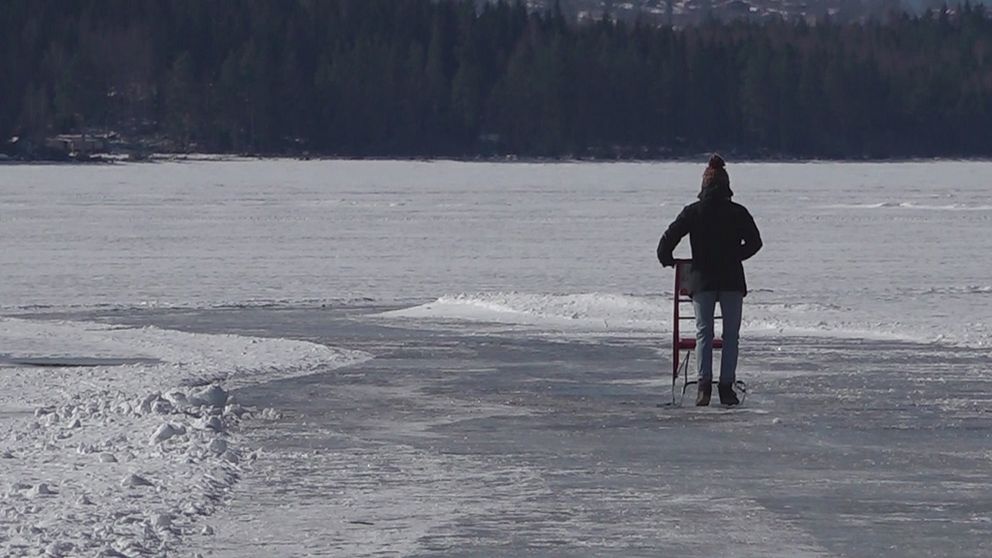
point(463, 442)
point(891, 248)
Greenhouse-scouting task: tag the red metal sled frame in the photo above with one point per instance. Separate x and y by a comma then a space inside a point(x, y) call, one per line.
point(687, 344)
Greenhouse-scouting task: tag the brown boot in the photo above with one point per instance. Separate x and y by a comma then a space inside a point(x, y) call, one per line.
point(703, 392)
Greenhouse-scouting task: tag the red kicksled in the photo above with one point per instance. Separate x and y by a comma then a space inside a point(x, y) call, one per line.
point(680, 364)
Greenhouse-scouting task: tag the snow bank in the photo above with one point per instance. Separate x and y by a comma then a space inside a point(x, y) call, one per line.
point(912, 205)
point(606, 313)
point(586, 311)
point(127, 460)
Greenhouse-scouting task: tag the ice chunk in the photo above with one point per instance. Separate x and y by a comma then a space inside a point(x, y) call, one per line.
point(177, 398)
point(166, 431)
point(134, 480)
point(218, 446)
point(210, 423)
point(59, 549)
point(40, 489)
point(234, 409)
point(146, 403)
point(269, 414)
point(162, 521)
point(84, 448)
point(211, 396)
point(162, 407)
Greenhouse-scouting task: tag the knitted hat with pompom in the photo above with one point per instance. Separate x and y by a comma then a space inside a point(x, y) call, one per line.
point(716, 182)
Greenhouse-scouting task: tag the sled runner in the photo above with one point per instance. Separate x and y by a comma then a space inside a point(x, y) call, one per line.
point(680, 345)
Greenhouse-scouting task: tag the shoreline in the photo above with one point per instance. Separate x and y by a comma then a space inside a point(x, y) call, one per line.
point(700, 158)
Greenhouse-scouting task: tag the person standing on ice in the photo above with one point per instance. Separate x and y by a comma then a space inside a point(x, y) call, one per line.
point(722, 234)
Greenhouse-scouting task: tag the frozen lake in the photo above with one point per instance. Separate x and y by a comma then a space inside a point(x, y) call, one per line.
point(895, 250)
point(451, 359)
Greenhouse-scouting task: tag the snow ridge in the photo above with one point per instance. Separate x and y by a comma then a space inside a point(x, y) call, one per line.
point(651, 315)
point(128, 460)
point(912, 205)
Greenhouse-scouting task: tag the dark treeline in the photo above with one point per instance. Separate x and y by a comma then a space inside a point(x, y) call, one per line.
point(420, 77)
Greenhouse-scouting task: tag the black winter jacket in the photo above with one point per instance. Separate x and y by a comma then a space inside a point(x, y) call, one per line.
point(722, 234)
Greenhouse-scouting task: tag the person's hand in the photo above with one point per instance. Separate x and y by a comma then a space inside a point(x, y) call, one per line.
point(667, 262)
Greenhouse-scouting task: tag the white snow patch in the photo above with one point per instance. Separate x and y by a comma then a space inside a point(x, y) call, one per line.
point(126, 460)
point(40, 489)
point(213, 396)
point(611, 313)
point(134, 480)
point(912, 205)
point(167, 431)
point(584, 311)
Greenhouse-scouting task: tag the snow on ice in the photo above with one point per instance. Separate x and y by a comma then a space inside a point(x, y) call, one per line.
point(860, 249)
point(125, 460)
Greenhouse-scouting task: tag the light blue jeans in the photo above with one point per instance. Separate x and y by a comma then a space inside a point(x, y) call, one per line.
point(731, 305)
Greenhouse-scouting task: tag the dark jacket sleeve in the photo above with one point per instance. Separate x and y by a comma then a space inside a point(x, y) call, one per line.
point(676, 231)
point(750, 237)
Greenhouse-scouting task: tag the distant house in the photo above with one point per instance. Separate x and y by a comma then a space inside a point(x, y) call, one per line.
point(80, 145)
